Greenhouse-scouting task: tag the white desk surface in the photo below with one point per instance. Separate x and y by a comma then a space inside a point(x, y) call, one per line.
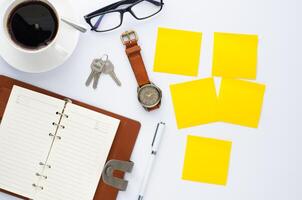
point(266, 162)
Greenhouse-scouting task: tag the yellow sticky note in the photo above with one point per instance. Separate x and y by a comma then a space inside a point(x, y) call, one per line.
point(240, 102)
point(195, 102)
point(207, 160)
point(235, 55)
point(177, 52)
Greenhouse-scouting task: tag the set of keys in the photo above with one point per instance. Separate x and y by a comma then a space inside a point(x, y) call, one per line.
point(101, 66)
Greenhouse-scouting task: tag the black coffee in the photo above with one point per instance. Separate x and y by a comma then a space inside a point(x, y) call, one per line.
point(33, 24)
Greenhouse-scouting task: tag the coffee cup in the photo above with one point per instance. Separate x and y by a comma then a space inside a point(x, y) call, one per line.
point(33, 26)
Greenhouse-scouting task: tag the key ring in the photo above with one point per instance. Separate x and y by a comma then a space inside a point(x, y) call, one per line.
point(107, 58)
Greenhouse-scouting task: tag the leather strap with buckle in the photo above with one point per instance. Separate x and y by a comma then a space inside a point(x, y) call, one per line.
point(133, 51)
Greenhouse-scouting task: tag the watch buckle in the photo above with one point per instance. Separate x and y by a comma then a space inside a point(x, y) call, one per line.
point(129, 36)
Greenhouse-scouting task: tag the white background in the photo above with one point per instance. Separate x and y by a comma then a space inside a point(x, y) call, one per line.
point(265, 162)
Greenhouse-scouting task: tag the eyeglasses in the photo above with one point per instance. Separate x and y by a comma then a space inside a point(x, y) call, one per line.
point(111, 16)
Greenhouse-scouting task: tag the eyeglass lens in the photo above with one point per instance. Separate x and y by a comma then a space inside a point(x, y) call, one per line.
point(146, 9)
point(107, 21)
point(112, 20)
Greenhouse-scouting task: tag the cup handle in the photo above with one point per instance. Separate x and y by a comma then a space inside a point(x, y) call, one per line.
point(61, 50)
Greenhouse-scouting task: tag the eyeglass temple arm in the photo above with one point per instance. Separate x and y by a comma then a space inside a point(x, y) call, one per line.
point(117, 4)
point(97, 24)
point(110, 7)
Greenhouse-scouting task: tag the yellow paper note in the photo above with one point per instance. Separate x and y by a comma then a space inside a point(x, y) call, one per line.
point(240, 102)
point(235, 55)
point(207, 160)
point(195, 102)
point(177, 52)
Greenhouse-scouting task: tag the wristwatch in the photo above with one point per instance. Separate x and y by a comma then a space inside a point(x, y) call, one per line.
point(149, 95)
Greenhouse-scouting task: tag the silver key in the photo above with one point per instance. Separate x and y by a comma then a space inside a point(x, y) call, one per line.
point(99, 64)
point(109, 69)
point(94, 71)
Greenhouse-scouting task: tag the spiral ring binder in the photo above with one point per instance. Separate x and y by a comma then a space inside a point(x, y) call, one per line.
point(38, 186)
point(56, 136)
point(41, 175)
point(58, 125)
point(62, 114)
point(43, 164)
point(67, 100)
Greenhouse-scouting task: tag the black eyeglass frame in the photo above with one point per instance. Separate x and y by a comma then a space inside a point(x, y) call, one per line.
point(112, 9)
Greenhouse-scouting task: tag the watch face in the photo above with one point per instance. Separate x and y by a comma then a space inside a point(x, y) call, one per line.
point(149, 96)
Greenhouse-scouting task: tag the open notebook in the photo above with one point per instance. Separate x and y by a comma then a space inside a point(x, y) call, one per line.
point(51, 149)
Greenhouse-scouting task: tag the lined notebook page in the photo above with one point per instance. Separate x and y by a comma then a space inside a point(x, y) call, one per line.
point(78, 159)
point(24, 138)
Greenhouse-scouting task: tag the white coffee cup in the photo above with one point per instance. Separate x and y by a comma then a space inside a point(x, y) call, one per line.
point(52, 44)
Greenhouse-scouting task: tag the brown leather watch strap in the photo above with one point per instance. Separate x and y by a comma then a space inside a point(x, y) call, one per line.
point(155, 107)
point(133, 51)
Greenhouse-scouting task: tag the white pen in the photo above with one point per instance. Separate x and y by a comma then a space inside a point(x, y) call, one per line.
point(155, 145)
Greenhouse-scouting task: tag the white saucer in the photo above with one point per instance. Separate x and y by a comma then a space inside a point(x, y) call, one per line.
point(49, 59)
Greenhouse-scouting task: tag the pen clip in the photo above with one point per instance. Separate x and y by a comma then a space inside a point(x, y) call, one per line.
point(155, 134)
point(157, 137)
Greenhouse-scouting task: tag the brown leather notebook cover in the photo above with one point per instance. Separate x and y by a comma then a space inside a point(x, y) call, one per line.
point(123, 143)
